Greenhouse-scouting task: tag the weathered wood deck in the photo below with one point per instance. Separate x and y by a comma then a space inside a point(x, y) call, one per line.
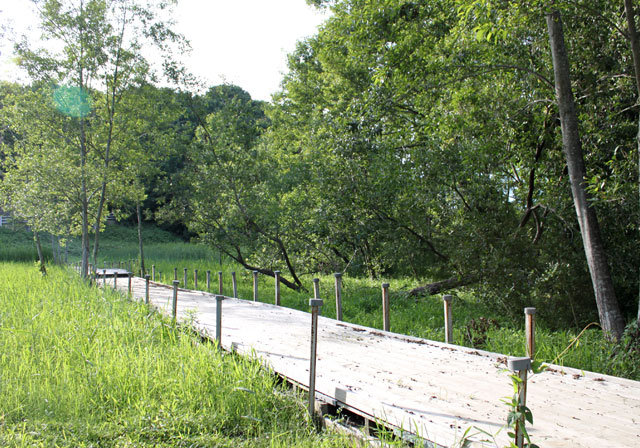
point(427, 388)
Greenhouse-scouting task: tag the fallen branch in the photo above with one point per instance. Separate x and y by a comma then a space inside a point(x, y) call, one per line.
point(443, 285)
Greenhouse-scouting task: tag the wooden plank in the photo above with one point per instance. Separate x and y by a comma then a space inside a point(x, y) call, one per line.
point(425, 387)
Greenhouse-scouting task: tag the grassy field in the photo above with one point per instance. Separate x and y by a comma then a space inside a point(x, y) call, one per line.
point(83, 367)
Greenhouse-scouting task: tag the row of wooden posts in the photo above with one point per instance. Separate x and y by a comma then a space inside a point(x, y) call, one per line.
point(520, 366)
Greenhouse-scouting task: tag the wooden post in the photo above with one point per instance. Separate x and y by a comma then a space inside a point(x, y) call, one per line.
point(386, 321)
point(255, 286)
point(235, 285)
point(220, 282)
point(185, 278)
point(530, 331)
point(174, 303)
point(338, 277)
point(195, 279)
point(104, 277)
point(277, 301)
point(153, 272)
point(129, 286)
point(219, 299)
point(448, 319)
point(175, 274)
point(146, 289)
point(520, 366)
point(315, 305)
point(316, 288)
point(208, 280)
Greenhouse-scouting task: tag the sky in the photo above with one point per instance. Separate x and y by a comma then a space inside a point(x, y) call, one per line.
point(242, 42)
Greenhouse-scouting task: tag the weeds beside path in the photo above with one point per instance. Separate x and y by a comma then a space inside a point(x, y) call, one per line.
point(84, 367)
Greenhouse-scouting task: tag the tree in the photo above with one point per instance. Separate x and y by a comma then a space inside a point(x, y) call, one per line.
point(227, 184)
point(610, 316)
point(93, 82)
point(452, 125)
point(634, 43)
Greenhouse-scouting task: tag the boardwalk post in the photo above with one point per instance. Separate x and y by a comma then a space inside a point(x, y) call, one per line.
point(146, 289)
point(520, 367)
point(530, 330)
point(129, 285)
point(104, 277)
point(208, 280)
point(174, 303)
point(153, 272)
point(315, 305)
point(277, 274)
point(220, 282)
point(219, 299)
point(185, 278)
point(195, 279)
point(316, 288)
point(255, 286)
point(386, 321)
point(175, 274)
point(448, 319)
point(338, 277)
point(235, 285)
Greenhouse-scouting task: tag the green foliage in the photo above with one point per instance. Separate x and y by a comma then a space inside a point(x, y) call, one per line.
point(413, 147)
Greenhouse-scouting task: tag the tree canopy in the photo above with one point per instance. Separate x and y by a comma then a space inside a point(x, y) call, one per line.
point(409, 138)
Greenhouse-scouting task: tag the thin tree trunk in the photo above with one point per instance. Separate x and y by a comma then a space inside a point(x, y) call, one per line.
point(84, 265)
point(635, 52)
point(608, 309)
point(36, 240)
point(139, 213)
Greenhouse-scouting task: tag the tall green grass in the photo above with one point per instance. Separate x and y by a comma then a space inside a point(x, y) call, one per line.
point(83, 367)
point(18, 245)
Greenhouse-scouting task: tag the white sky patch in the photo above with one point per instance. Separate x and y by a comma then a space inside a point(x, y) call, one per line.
point(242, 42)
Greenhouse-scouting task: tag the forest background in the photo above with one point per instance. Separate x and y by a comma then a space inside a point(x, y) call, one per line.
point(410, 138)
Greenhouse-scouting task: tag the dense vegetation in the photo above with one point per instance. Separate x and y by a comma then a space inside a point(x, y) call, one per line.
point(422, 139)
point(84, 367)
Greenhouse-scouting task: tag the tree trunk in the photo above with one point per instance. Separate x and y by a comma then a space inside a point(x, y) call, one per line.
point(139, 213)
point(36, 240)
point(84, 265)
point(610, 316)
point(635, 53)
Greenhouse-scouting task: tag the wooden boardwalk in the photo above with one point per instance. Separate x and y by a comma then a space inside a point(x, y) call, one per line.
point(427, 388)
